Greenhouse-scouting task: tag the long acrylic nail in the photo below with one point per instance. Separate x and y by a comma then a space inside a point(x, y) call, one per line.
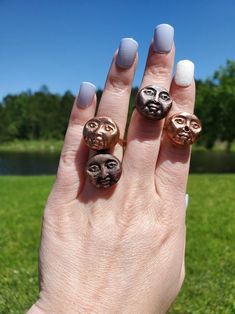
point(186, 200)
point(126, 53)
point(184, 74)
point(163, 38)
point(86, 94)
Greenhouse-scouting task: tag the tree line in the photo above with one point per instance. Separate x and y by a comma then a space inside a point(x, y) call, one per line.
point(44, 115)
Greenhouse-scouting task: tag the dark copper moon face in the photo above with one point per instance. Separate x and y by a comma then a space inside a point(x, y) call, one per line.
point(101, 133)
point(103, 170)
point(183, 128)
point(153, 102)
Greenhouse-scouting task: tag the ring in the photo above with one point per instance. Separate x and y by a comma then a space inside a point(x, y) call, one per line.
point(153, 102)
point(183, 128)
point(101, 133)
point(103, 170)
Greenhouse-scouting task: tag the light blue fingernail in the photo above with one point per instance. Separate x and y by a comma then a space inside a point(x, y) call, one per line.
point(163, 38)
point(86, 94)
point(126, 53)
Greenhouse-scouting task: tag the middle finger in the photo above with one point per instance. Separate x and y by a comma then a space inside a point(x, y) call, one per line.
point(144, 135)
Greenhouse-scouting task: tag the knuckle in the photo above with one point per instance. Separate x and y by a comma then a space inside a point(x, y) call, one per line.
point(169, 224)
point(118, 84)
point(71, 146)
point(75, 120)
point(158, 73)
point(58, 220)
point(68, 158)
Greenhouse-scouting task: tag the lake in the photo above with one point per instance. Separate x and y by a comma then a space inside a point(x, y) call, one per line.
point(46, 163)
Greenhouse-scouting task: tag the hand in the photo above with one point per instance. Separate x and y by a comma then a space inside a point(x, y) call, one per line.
point(120, 250)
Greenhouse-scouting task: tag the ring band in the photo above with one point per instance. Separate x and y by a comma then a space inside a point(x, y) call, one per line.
point(183, 128)
point(153, 102)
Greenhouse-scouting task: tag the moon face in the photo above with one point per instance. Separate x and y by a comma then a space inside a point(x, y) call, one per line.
point(103, 170)
point(153, 102)
point(183, 128)
point(101, 133)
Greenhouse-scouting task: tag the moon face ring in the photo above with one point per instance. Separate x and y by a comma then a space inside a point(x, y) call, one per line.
point(183, 128)
point(153, 102)
point(101, 133)
point(103, 170)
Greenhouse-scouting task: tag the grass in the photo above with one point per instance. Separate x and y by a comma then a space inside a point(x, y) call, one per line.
point(32, 146)
point(210, 257)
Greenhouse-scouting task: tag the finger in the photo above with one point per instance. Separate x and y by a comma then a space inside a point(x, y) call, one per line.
point(70, 175)
point(173, 162)
point(144, 135)
point(115, 98)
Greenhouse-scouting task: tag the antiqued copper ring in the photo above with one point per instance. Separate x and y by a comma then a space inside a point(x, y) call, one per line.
point(101, 133)
point(153, 102)
point(103, 170)
point(183, 128)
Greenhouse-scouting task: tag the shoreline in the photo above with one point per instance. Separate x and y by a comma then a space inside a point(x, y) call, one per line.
point(54, 146)
point(41, 146)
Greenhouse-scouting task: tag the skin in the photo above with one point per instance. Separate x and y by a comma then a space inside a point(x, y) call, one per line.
point(118, 250)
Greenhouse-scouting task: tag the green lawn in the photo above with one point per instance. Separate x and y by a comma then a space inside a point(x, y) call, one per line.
point(210, 258)
point(32, 146)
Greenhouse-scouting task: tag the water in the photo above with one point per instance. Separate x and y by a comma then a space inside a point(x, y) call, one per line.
point(28, 163)
point(47, 163)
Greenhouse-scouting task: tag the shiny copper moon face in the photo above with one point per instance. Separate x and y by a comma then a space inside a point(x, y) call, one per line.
point(153, 102)
point(101, 133)
point(183, 128)
point(103, 170)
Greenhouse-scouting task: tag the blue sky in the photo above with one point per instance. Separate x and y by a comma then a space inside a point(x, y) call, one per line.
point(62, 43)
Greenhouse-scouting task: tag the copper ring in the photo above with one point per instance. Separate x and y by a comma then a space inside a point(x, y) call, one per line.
point(103, 170)
point(101, 133)
point(153, 102)
point(183, 128)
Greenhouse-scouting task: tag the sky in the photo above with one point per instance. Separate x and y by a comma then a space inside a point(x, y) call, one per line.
point(62, 43)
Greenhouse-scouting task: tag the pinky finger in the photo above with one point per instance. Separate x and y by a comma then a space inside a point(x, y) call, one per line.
point(173, 162)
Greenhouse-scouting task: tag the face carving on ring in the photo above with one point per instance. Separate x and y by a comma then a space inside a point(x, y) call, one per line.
point(183, 128)
point(153, 102)
point(101, 133)
point(103, 170)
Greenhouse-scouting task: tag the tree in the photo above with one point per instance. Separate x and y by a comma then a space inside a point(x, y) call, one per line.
point(224, 79)
point(43, 115)
point(206, 109)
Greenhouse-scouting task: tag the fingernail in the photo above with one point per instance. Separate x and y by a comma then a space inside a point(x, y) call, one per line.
point(163, 38)
point(186, 200)
point(184, 74)
point(86, 94)
point(126, 53)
